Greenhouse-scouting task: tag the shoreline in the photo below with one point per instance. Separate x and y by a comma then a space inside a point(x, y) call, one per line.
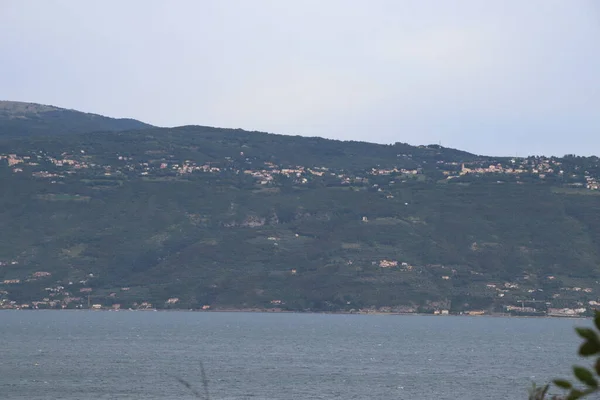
point(267, 311)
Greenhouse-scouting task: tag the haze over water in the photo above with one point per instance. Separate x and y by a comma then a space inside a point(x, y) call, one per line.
point(138, 355)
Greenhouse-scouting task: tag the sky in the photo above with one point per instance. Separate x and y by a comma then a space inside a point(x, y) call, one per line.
point(494, 77)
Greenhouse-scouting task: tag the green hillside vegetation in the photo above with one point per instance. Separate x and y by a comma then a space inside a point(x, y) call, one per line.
point(195, 217)
point(20, 119)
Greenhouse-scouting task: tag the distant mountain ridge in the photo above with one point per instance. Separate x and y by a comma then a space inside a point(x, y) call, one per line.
point(20, 119)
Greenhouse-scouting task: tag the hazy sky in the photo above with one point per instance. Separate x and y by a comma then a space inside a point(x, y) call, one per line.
point(492, 77)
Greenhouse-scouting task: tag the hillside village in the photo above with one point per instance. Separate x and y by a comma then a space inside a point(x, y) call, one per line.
point(564, 172)
point(520, 298)
point(517, 296)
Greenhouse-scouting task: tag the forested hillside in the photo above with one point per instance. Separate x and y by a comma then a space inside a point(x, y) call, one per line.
point(195, 217)
point(18, 119)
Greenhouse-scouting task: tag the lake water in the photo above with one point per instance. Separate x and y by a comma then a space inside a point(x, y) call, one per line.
point(139, 355)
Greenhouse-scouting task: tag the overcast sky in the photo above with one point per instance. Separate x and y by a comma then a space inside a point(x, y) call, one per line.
point(506, 77)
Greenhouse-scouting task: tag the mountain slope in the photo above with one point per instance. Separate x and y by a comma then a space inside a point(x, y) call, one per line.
point(19, 119)
point(195, 216)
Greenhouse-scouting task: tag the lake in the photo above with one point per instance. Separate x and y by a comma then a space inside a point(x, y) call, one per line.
point(88, 355)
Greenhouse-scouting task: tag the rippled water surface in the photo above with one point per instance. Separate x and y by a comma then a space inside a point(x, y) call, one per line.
point(139, 355)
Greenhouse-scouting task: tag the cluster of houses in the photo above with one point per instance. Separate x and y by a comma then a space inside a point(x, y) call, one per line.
point(542, 167)
point(42, 165)
point(79, 294)
point(536, 165)
point(61, 297)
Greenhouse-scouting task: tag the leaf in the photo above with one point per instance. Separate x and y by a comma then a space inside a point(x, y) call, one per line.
point(589, 348)
point(588, 334)
point(597, 366)
point(597, 319)
point(562, 383)
point(585, 376)
point(575, 394)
